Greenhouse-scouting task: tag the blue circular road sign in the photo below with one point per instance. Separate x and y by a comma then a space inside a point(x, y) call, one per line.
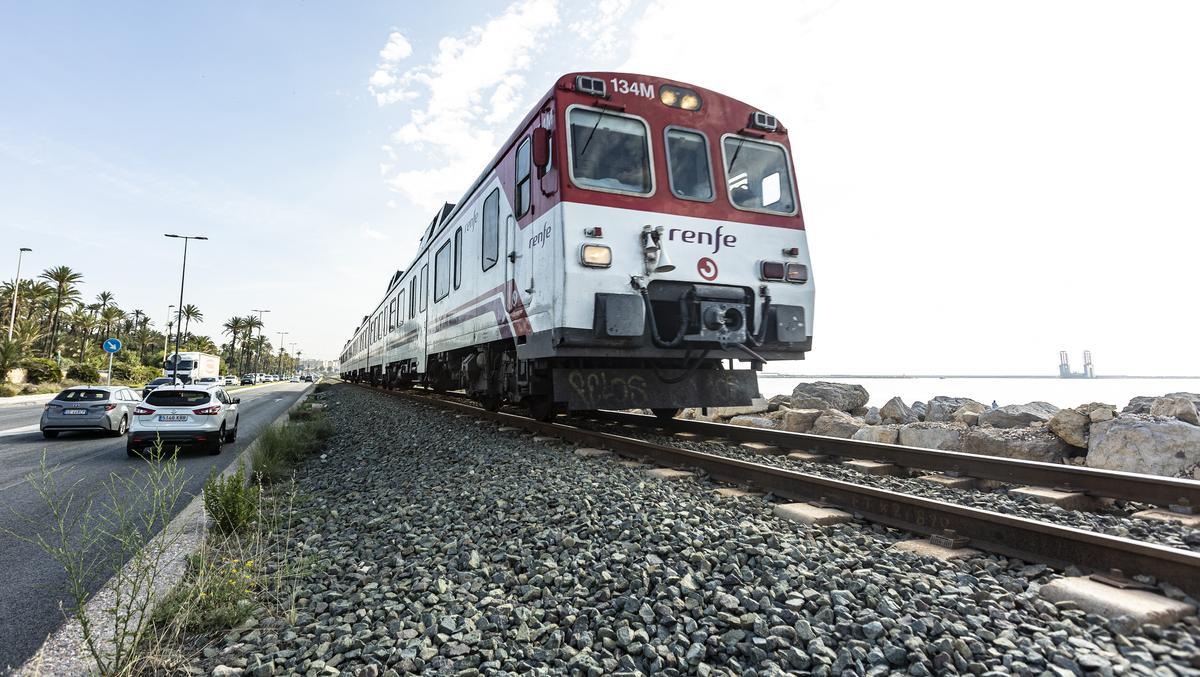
point(112, 345)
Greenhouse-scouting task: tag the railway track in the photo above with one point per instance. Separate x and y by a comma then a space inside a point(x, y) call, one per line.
point(1175, 494)
point(1008, 535)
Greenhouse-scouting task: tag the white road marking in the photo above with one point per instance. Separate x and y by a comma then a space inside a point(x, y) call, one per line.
point(20, 431)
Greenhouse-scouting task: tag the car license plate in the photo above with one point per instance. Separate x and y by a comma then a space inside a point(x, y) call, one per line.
point(166, 418)
point(74, 412)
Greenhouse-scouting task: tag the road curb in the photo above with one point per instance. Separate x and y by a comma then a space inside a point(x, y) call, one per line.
point(63, 652)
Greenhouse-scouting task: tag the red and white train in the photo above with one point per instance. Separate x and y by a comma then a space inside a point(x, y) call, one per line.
point(632, 239)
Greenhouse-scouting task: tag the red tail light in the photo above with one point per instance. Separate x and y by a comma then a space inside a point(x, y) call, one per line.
point(142, 411)
point(208, 411)
point(771, 270)
point(109, 407)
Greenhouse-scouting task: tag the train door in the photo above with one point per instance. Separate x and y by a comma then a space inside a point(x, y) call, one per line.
point(521, 265)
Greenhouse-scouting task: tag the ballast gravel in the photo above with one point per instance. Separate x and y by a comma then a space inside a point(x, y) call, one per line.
point(1114, 520)
point(441, 545)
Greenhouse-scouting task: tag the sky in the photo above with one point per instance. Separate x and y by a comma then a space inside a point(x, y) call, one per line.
point(984, 184)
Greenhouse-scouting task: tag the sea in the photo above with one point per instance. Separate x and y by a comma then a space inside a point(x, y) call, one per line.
point(1061, 392)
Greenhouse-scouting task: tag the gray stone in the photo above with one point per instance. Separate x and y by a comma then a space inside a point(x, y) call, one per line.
point(1175, 407)
point(827, 395)
point(1071, 426)
point(754, 421)
point(800, 420)
point(896, 411)
point(872, 416)
point(967, 414)
point(1137, 444)
point(941, 436)
point(883, 434)
point(941, 408)
point(835, 423)
point(1018, 415)
point(1033, 445)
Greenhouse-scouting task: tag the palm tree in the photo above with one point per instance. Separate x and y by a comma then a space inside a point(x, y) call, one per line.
point(83, 323)
point(233, 326)
point(190, 313)
point(201, 344)
point(64, 280)
point(251, 322)
point(37, 297)
point(110, 316)
point(104, 298)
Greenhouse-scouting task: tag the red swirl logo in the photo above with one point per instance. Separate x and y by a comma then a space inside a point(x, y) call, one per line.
point(707, 268)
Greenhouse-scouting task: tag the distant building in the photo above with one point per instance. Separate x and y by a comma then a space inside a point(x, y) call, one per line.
point(1064, 366)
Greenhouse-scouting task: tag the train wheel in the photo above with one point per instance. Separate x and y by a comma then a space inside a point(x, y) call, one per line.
point(490, 402)
point(666, 413)
point(541, 407)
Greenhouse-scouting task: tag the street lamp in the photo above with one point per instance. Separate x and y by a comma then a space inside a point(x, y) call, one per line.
point(167, 334)
point(258, 348)
point(281, 335)
point(179, 310)
point(12, 319)
point(293, 346)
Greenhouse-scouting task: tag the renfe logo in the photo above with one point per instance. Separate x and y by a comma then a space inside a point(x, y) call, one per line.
point(538, 239)
point(717, 240)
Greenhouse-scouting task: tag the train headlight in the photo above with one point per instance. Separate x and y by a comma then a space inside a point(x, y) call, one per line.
point(797, 272)
point(678, 97)
point(771, 270)
point(595, 256)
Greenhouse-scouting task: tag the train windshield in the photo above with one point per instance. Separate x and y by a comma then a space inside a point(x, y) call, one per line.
point(609, 152)
point(757, 176)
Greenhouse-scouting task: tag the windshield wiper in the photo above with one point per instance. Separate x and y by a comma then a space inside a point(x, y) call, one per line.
point(735, 153)
point(592, 133)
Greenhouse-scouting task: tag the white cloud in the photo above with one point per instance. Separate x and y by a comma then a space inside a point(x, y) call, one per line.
point(370, 233)
point(396, 49)
point(473, 85)
point(601, 30)
point(383, 82)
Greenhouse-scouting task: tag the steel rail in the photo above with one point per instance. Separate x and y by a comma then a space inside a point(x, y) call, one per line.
point(1138, 487)
point(1018, 537)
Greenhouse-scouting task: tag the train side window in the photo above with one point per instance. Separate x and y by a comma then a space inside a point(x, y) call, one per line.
point(392, 313)
point(424, 286)
point(523, 179)
point(757, 175)
point(688, 168)
point(458, 258)
point(491, 229)
point(400, 308)
point(441, 271)
point(412, 297)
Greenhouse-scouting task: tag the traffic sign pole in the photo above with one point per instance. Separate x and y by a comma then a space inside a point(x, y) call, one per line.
point(111, 346)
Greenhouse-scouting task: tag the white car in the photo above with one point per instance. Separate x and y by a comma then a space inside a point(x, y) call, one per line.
point(294, 379)
point(183, 416)
point(229, 380)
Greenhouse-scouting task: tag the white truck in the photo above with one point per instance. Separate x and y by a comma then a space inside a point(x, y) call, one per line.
point(192, 366)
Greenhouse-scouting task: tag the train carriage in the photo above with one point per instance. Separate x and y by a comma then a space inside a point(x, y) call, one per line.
point(633, 240)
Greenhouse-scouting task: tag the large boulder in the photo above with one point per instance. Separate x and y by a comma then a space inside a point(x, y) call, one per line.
point(872, 416)
point(941, 408)
point(1146, 445)
point(836, 423)
point(967, 414)
point(1099, 415)
point(800, 420)
point(751, 421)
point(919, 408)
point(932, 436)
point(827, 395)
point(1018, 415)
point(1143, 403)
point(1071, 427)
point(1033, 445)
point(884, 434)
point(778, 401)
point(1175, 407)
point(896, 411)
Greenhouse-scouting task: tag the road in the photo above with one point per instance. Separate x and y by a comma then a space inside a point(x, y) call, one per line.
point(33, 584)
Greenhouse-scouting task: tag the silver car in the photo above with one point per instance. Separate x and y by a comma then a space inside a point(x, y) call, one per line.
point(108, 408)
